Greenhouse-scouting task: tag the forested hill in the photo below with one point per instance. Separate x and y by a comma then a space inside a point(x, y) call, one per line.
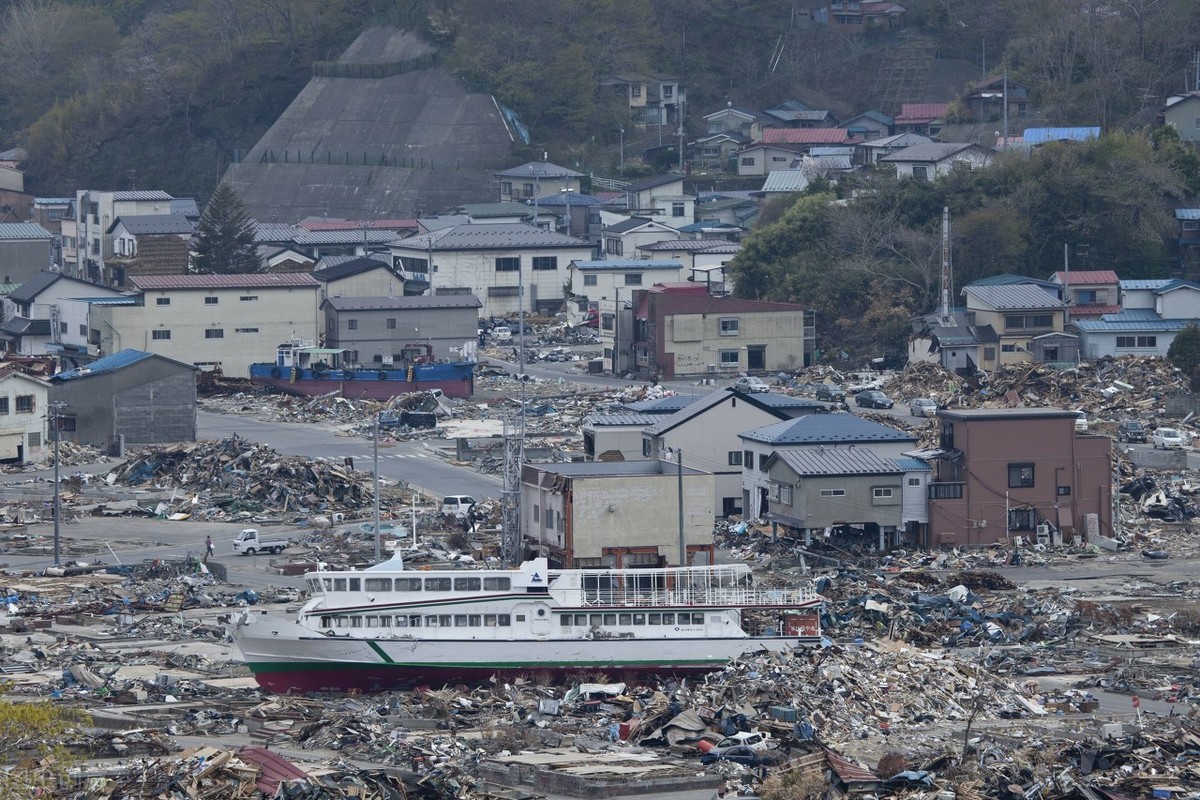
point(121, 93)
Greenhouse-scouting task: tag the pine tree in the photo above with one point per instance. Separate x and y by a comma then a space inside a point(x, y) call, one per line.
point(224, 239)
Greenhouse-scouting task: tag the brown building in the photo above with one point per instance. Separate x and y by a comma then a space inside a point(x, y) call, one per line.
point(1026, 464)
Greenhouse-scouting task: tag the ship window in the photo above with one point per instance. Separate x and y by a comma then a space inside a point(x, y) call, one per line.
point(596, 619)
point(437, 584)
point(460, 620)
point(520, 618)
point(339, 584)
point(356, 622)
point(475, 621)
point(431, 621)
point(466, 584)
point(326, 622)
point(489, 620)
point(565, 619)
point(497, 584)
point(505, 620)
point(378, 584)
point(625, 619)
point(443, 620)
point(328, 584)
point(414, 621)
point(372, 622)
point(656, 619)
point(385, 622)
point(610, 619)
point(408, 584)
point(581, 620)
point(639, 619)
point(401, 622)
point(355, 584)
point(339, 622)
point(668, 619)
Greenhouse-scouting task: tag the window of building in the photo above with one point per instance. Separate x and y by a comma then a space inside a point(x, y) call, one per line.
point(3, 405)
point(211, 301)
point(545, 263)
point(1008, 348)
point(1136, 342)
point(504, 291)
point(989, 353)
point(921, 172)
point(645, 448)
point(1022, 519)
point(729, 359)
point(948, 435)
point(1087, 297)
point(748, 458)
point(1026, 322)
point(606, 322)
point(914, 481)
point(633, 279)
point(246, 330)
point(747, 161)
point(677, 209)
point(62, 328)
point(730, 326)
point(537, 514)
point(162, 334)
point(785, 494)
point(1063, 491)
point(735, 458)
point(1191, 225)
point(833, 493)
point(668, 92)
point(162, 301)
point(352, 324)
point(614, 247)
point(548, 518)
point(527, 188)
point(945, 491)
point(589, 280)
point(1020, 476)
point(214, 333)
point(636, 90)
point(506, 187)
point(248, 298)
point(24, 404)
point(880, 493)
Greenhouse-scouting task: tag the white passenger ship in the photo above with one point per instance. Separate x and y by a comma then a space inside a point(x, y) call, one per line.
point(387, 627)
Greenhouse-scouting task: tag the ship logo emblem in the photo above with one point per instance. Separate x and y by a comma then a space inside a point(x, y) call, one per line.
point(536, 578)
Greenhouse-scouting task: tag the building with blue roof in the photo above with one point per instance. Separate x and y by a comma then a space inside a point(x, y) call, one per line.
point(129, 397)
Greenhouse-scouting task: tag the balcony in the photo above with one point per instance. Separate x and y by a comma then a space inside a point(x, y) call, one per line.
point(946, 490)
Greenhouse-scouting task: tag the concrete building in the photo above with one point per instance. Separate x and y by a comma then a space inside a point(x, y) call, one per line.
point(381, 331)
point(130, 397)
point(360, 277)
point(593, 281)
point(1182, 112)
point(209, 321)
point(23, 423)
point(491, 262)
point(534, 179)
point(930, 161)
point(149, 245)
point(616, 436)
point(826, 453)
point(1017, 472)
point(616, 514)
point(86, 241)
point(1090, 293)
point(53, 301)
point(622, 239)
point(26, 249)
point(683, 330)
point(706, 432)
point(662, 199)
point(1020, 313)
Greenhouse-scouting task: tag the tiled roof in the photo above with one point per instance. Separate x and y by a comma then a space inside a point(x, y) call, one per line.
point(612, 420)
point(261, 280)
point(1042, 135)
point(704, 404)
point(1077, 277)
point(827, 429)
point(931, 151)
point(344, 269)
point(663, 405)
point(805, 136)
point(1117, 323)
point(688, 245)
point(303, 237)
point(1093, 311)
point(652, 182)
point(141, 194)
point(155, 223)
point(911, 113)
point(909, 464)
point(1175, 283)
point(540, 170)
point(626, 264)
point(1187, 214)
point(23, 230)
point(485, 236)
point(1144, 284)
point(785, 180)
point(323, 224)
point(629, 224)
point(110, 363)
point(1017, 296)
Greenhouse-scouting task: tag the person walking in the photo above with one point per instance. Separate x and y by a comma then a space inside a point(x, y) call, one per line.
point(208, 548)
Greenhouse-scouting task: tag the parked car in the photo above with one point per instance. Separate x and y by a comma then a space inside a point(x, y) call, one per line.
point(739, 754)
point(830, 392)
point(750, 385)
point(1081, 422)
point(873, 398)
point(756, 740)
point(923, 407)
point(1167, 439)
point(457, 505)
point(1130, 430)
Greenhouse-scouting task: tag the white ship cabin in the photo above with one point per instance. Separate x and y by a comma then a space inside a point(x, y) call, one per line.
point(303, 355)
point(535, 602)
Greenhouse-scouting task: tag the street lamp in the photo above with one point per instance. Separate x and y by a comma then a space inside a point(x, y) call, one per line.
point(621, 168)
point(56, 408)
point(677, 452)
point(375, 482)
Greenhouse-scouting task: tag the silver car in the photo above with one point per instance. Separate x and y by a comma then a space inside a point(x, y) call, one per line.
point(922, 407)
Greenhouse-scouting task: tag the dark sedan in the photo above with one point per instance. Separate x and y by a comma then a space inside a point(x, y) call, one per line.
point(873, 398)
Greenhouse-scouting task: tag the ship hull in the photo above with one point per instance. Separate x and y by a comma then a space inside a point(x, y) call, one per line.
point(287, 658)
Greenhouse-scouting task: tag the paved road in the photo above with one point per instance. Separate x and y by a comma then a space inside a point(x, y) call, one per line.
point(415, 462)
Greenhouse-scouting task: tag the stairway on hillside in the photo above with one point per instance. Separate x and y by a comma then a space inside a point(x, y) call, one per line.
point(902, 73)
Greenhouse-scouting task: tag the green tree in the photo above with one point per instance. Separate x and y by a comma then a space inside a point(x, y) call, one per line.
point(1184, 353)
point(224, 241)
point(31, 735)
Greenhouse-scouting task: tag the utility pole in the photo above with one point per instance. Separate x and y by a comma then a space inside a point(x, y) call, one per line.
point(681, 137)
point(56, 408)
point(375, 471)
point(679, 472)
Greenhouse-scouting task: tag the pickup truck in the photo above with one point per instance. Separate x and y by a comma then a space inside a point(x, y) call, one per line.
point(249, 542)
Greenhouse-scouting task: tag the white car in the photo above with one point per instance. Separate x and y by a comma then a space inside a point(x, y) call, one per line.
point(750, 385)
point(1081, 422)
point(923, 407)
point(1167, 439)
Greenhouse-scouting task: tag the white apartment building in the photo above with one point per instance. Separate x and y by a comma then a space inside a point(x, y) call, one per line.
point(86, 241)
point(226, 321)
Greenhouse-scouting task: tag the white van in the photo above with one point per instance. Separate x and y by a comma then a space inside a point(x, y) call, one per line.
point(457, 505)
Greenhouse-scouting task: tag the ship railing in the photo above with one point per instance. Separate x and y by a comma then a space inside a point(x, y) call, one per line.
point(700, 596)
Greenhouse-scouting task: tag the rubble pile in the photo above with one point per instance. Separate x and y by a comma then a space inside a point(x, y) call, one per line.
point(359, 415)
point(70, 454)
point(236, 475)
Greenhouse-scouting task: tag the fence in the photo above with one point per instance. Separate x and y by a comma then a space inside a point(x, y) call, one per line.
point(365, 159)
point(378, 69)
